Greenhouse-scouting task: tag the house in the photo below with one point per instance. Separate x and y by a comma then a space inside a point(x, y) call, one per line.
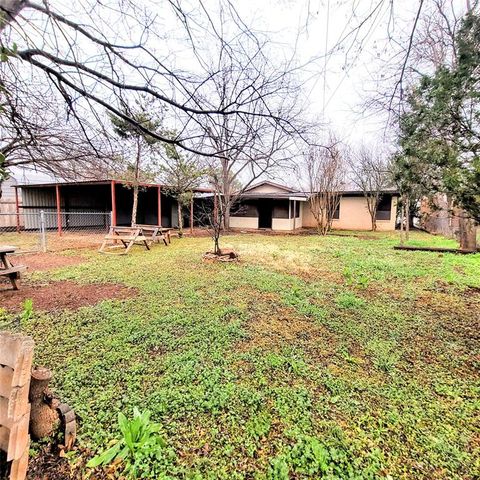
point(266, 205)
point(352, 212)
point(100, 198)
point(272, 206)
point(269, 205)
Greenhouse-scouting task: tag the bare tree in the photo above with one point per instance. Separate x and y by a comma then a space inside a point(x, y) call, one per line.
point(371, 174)
point(325, 172)
point(255, 143)
point(95, 55)
point(37, 133)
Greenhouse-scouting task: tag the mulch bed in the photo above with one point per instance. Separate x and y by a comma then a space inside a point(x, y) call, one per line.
point(46, 261)
point(63, 295)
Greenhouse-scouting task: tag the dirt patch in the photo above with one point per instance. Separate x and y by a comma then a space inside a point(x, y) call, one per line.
point(46, 261)
point(63, 295)
point(47, 465)
point(279, 326)
point(225, 255)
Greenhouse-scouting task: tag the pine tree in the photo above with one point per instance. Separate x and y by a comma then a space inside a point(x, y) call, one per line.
point(145, 114)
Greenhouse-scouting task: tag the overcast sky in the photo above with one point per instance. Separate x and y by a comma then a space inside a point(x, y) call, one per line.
point(350, 74)
point(347, 67)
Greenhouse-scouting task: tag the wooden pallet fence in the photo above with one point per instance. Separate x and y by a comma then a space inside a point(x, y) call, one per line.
point(16, 354)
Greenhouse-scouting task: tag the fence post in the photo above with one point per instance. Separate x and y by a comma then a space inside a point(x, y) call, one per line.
point(43, 235)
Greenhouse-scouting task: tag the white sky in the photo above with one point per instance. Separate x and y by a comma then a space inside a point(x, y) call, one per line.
point(337, 89)
point(338, 92)
point(337, 84)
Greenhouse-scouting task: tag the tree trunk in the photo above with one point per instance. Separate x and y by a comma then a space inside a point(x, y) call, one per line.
point(402, 219)
point(407, 219)
point(226, 216)
point(467, 233)
point(216, 245)
point(135, 183)
point(372, 204)
point(180, 219)
point(135, 205)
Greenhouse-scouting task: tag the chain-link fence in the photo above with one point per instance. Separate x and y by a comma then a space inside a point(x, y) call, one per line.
point(42, 230)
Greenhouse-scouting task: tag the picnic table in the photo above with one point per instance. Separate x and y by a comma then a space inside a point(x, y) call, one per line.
point(123, 237)
point(7, 269)
point(156, 233)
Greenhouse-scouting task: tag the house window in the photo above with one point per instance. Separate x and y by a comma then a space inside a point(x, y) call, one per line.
point(336, 213)
point(384, 209)
point(244, 209)
point(280, 209)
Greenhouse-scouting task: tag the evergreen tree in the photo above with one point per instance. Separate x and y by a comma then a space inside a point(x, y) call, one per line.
point(182, 174)
point(144, 114)
point(440, 132)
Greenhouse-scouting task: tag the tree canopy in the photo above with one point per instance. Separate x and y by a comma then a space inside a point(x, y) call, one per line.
point(440, 131)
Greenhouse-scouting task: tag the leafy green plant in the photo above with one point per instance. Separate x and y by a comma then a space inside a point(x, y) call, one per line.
point(310, 458)
point(349, 300)
point(385, 354)
point(141, 450)
point(27, 310)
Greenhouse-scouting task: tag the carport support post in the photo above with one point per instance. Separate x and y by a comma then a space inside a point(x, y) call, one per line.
point(17, 209)
point(159, 205)
point(191, 214)
point(59, 214)
point(294, 213)
point(114, 204)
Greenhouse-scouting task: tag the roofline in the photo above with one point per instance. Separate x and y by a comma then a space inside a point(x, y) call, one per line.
point(103, 182)
point(359, 192)
point(273, 184)
point(279, 196)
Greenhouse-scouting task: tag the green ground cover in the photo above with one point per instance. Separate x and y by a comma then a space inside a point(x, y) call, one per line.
point(312, 357)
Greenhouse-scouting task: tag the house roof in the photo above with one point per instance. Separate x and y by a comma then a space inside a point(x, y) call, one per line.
point(100, 182)
point(271, 184)
point(354, 193)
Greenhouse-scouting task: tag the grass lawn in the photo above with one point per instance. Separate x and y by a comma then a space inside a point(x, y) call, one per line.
point(310, 355)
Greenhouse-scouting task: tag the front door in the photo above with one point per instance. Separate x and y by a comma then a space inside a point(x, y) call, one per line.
point(264, 214)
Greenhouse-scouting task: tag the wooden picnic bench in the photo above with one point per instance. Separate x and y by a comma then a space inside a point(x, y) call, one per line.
point(156, 233)
point(123, 237)
point(9, 270)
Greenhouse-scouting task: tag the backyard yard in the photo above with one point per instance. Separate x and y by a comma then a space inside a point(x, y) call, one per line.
point(312, 357)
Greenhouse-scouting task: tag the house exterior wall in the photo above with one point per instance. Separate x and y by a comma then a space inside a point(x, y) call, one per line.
point(280, 224)
point(244, 222)
point(353, 215)
point(285, 224)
